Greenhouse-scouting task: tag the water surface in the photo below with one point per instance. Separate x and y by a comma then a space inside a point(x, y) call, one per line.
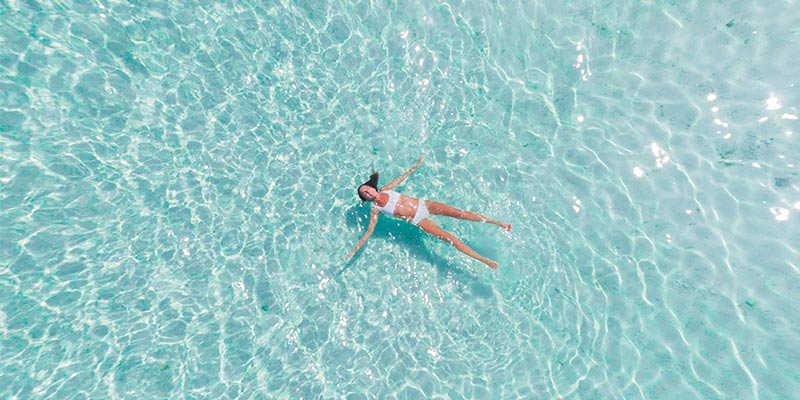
point(177, 191)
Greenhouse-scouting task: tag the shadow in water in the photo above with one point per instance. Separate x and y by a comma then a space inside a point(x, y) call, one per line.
point(413, 238)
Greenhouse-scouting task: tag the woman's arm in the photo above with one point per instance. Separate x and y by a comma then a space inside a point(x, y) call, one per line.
point(373, 219)
point(394, 183)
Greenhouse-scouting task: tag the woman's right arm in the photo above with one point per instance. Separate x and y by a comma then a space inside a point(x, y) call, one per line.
point(373, 220)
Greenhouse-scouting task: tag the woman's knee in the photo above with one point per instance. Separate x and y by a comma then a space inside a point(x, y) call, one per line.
point(452, 240)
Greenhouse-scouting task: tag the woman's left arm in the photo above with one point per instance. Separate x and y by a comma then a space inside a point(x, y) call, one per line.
point(394, 183)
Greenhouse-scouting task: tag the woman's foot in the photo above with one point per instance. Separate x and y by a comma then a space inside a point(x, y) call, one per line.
point(504, 225)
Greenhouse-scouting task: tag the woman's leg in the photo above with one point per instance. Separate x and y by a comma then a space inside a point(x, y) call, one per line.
point(429, 226)
point(436, 208)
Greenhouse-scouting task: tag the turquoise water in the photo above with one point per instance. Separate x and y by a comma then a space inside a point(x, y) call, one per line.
point(177, 191)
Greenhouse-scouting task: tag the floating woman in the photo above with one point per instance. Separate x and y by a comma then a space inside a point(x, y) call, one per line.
point(417, 211)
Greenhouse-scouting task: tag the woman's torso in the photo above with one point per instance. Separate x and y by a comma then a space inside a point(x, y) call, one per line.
point(404, 206)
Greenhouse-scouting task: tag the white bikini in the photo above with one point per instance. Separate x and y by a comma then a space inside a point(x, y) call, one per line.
point(422, 212)
point(388, 209)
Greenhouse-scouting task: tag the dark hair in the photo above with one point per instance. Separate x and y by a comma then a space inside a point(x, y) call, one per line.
point(372, 182)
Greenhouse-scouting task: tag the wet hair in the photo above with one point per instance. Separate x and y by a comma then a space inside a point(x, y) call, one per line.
point(372, 182)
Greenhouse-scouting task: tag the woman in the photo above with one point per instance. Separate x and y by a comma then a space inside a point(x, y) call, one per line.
point(417, 211)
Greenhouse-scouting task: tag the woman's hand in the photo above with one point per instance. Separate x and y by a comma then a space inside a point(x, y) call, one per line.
point(394, 183)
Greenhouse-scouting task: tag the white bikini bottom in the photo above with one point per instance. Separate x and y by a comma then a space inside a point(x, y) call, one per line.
point(422, 213)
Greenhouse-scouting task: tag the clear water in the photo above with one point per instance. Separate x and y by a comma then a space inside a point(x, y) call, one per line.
point(177, 191)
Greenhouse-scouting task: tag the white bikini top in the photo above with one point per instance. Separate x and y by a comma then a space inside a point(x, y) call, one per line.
point(388, 209)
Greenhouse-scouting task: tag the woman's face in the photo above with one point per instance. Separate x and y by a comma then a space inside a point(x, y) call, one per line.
point(368, 192)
